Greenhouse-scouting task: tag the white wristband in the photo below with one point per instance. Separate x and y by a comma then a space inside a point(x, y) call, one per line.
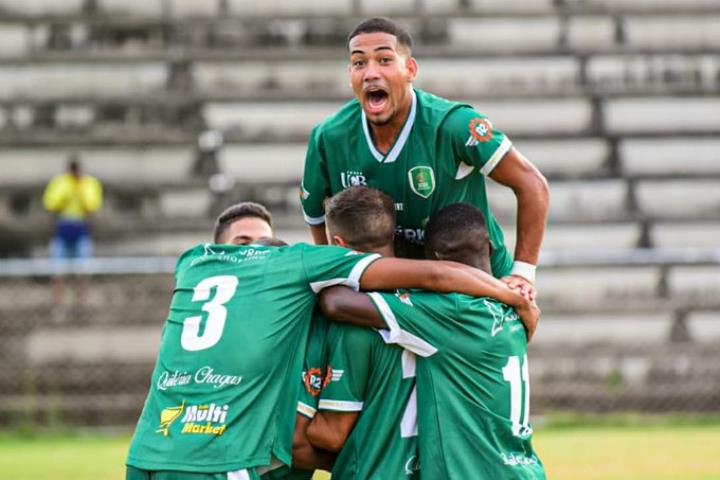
point(525, 270)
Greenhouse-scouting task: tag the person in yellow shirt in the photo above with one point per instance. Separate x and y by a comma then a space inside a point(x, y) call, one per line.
point(72, 197)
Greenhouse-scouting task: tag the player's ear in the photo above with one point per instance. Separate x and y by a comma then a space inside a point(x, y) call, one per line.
point(412, 69)
point(339, 241)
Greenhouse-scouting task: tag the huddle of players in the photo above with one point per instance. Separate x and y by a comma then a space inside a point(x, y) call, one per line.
point(468, 387)
point(225, 387)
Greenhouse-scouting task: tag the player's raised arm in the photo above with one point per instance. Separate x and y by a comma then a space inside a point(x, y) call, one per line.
point(533, 200)
point(344, 305)
point(347, 306)
point(437, 276)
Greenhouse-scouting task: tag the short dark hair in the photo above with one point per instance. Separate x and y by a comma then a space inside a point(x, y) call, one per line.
point(364, 217)
point(236, 212)
point(271, 242)
point(382, 24)
point(73, 163)
point(451, 223)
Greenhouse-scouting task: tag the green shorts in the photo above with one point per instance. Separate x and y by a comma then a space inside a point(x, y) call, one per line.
point(133, 473)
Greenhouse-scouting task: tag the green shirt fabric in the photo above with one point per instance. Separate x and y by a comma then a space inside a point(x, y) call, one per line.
point(473, 386)
point(441, 157)
point(225, 389)
point(378, 381)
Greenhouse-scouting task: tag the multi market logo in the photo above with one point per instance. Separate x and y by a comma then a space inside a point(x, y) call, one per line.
point(207, 419)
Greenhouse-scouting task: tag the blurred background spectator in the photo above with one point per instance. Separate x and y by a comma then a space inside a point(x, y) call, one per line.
point(72, 197)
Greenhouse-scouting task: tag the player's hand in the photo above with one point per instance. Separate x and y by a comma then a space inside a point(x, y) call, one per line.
point(521, 285)
point(530, 316)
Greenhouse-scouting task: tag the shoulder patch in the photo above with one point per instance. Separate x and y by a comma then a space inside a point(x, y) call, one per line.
point(481, 130)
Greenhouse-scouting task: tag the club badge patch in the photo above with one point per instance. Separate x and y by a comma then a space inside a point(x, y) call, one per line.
point(480, 131)
point(422, 181)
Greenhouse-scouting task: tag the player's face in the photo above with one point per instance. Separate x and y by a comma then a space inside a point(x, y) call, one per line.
point(246, 231)
point(381, 73)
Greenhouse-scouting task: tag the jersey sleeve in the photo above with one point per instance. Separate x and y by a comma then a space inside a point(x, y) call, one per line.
point(313, 374)
point(419, 322)
point(348, 369)
point(326, 266)
point(315, 185)
point(476, 143)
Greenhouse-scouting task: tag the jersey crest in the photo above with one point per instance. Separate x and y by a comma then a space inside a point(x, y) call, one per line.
point(422, 180)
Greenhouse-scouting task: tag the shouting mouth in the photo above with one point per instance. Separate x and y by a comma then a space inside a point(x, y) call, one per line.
point(376, 100)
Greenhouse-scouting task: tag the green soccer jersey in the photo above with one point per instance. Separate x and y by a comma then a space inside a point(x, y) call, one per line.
point(225, 387)
point(312, 379)
point(441, 157)
point(314, 375)
point(473, 384)
point(378, 380)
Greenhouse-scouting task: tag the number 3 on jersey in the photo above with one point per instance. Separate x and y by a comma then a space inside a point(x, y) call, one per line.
point(225, 287)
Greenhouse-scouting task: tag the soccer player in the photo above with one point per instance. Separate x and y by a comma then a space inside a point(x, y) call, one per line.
point(424, 151)
point(473, 390)
point(247, 223)
point(367, 408)
point(224, 390)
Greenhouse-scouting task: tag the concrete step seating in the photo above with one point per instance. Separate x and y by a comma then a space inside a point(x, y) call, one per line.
point(650, 72)
point(662, 115)
point(117, 164)
point(283, 119)
point(670, 156)
point(673, 32)
point(582, 201)
point(698, 283)
point(41, 7)
point(444, 76)
point(684, 234)
point(608, 236)
point(704, 327)
point(568, 158)
point(678, 199)
point(81, 79)
point(598, 286)
point(639, 5)
point(609, 329)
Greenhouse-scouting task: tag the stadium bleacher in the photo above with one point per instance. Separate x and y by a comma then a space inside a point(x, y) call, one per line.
point(614, 100)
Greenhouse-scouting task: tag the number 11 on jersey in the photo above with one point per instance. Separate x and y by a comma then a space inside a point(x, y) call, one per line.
point(518, 377)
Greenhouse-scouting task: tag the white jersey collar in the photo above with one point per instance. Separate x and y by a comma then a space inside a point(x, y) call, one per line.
point(402, 138)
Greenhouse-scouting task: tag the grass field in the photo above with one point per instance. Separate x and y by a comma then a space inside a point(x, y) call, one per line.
point(638, 449)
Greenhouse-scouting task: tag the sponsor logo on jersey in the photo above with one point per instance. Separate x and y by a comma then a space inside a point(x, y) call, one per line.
point(412, 235)
point(204, 376)
point(352, 178)
point(205, 419)
point(313, 380)
point(422, 180)
point(399, 207)
point(501, 315)
point(332, 375)
point(481, 130)
point(518, 459)
point(249, 253)
point(167, 417)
